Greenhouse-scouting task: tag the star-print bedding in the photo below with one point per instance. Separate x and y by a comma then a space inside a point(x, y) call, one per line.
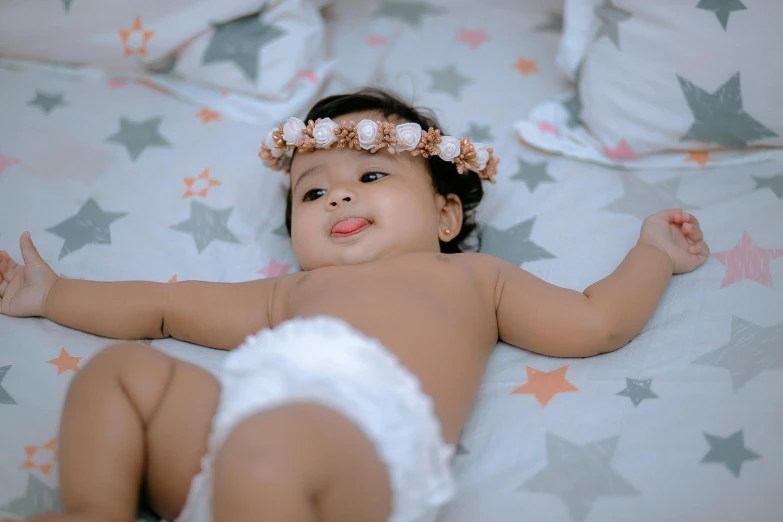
point(670, 83)
point(132, 177)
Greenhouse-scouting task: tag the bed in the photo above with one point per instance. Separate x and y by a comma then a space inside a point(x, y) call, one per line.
point(122, 174)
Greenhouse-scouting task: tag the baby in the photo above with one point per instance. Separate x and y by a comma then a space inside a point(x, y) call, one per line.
point(351, 380)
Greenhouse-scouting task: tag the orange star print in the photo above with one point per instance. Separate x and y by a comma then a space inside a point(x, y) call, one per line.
point(702, 157)
point(526, 66)
point(201, 179)
point(45, 459)
point(207, 115)
point(545, 385)
point(65, 362)
point(130, 38)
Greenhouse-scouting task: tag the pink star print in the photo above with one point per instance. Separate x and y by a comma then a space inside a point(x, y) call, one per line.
point(621, 151)
point(116, 83)
point(308, 75)
point(6, 161)
point(747, 261)
point(274, 269)
point(472, 38)
point(547, 128)
point(375, 40)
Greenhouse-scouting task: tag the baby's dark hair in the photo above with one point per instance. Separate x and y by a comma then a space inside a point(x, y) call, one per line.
point(445, 179)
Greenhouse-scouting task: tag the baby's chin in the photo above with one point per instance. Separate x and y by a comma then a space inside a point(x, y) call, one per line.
point(347, 257)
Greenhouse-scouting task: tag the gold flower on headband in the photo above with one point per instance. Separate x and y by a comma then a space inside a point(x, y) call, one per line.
point(277, 149)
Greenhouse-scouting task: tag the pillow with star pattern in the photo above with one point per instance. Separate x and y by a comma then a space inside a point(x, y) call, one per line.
point(272, 49)
point(675, 75)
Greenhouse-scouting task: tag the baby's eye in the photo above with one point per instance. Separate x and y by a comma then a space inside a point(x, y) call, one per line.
point(312, 195)
point(369, 177)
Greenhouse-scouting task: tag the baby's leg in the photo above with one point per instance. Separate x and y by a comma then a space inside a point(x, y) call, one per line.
point(299, 463)
point(105, 450)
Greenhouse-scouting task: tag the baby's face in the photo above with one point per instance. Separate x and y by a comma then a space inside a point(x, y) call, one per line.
point(351, 206)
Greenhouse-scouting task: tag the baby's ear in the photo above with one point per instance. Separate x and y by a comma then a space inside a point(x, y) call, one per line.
point(451, 216)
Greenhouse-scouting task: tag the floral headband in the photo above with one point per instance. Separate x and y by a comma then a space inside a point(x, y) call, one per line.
point(277, 149)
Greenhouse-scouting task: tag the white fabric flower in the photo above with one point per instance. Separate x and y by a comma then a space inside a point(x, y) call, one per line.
point(323, 133)
point(366, 131)
point(448, 148)
point(270, 144)
point(409, 136)
point(292, 130)
point(482, 155)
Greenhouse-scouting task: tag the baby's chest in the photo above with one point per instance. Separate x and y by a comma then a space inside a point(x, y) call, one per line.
point(403, 288)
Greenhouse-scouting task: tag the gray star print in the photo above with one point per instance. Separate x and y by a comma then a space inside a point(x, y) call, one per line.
point(730, 451)
point(410, 12)
point(90, 225)
point(448, 80)
point(479, 133)
point(722, 9)
point(775, 184)
point(610, 16)
point(138, 136)
point(461, 450)
point(637, 390)
point(39, 498)
point(573, 105)
point(553, 25)
point(67, 5)
point(207, 224)
point(532, 174)
point(719, 117)
point(642, 199)
point(751, 350)
point(579, 474)
point(5, 397)
point(513, 244)
point(240, 41)
point(47, 102)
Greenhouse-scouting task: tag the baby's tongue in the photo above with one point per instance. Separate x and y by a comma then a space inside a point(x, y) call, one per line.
point(349, 225)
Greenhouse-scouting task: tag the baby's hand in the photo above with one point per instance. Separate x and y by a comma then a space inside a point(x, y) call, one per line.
point(678, 234)
point(24, 288)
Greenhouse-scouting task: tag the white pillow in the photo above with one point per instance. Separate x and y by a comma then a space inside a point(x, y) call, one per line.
point(674, 75)
point(260, 48)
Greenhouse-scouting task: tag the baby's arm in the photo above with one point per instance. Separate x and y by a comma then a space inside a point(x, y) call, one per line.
point(218, 315)
point(555, 321)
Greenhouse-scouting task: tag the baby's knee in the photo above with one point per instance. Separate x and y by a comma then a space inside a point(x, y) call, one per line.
point(281, 444)
point(258, 469)
point(139, 371)
point(302, 451)
point(118, 356)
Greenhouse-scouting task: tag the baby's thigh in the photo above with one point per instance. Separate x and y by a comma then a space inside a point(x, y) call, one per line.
point(177, 432)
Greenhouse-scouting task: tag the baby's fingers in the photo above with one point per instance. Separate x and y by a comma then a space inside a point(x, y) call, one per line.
point(699, 248)
point(3, 286)
point(692, 231)
point(4, 268)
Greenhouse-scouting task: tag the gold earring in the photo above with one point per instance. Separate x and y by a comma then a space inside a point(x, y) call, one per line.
point(447, 231)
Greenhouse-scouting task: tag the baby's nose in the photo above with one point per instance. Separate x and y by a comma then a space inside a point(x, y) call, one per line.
point(341, 194)
point(345, 198)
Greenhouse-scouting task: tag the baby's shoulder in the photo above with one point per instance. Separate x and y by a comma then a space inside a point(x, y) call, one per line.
point(484, 266)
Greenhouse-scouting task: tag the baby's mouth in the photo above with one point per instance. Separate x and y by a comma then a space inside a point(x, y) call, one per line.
point(349, 226)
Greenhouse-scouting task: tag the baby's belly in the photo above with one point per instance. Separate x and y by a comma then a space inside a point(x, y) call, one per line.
point(437, 316)
point(445, 353)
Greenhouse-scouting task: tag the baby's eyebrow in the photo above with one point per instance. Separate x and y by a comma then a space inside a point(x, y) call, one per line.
point(366, 154)
point(312, 170)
